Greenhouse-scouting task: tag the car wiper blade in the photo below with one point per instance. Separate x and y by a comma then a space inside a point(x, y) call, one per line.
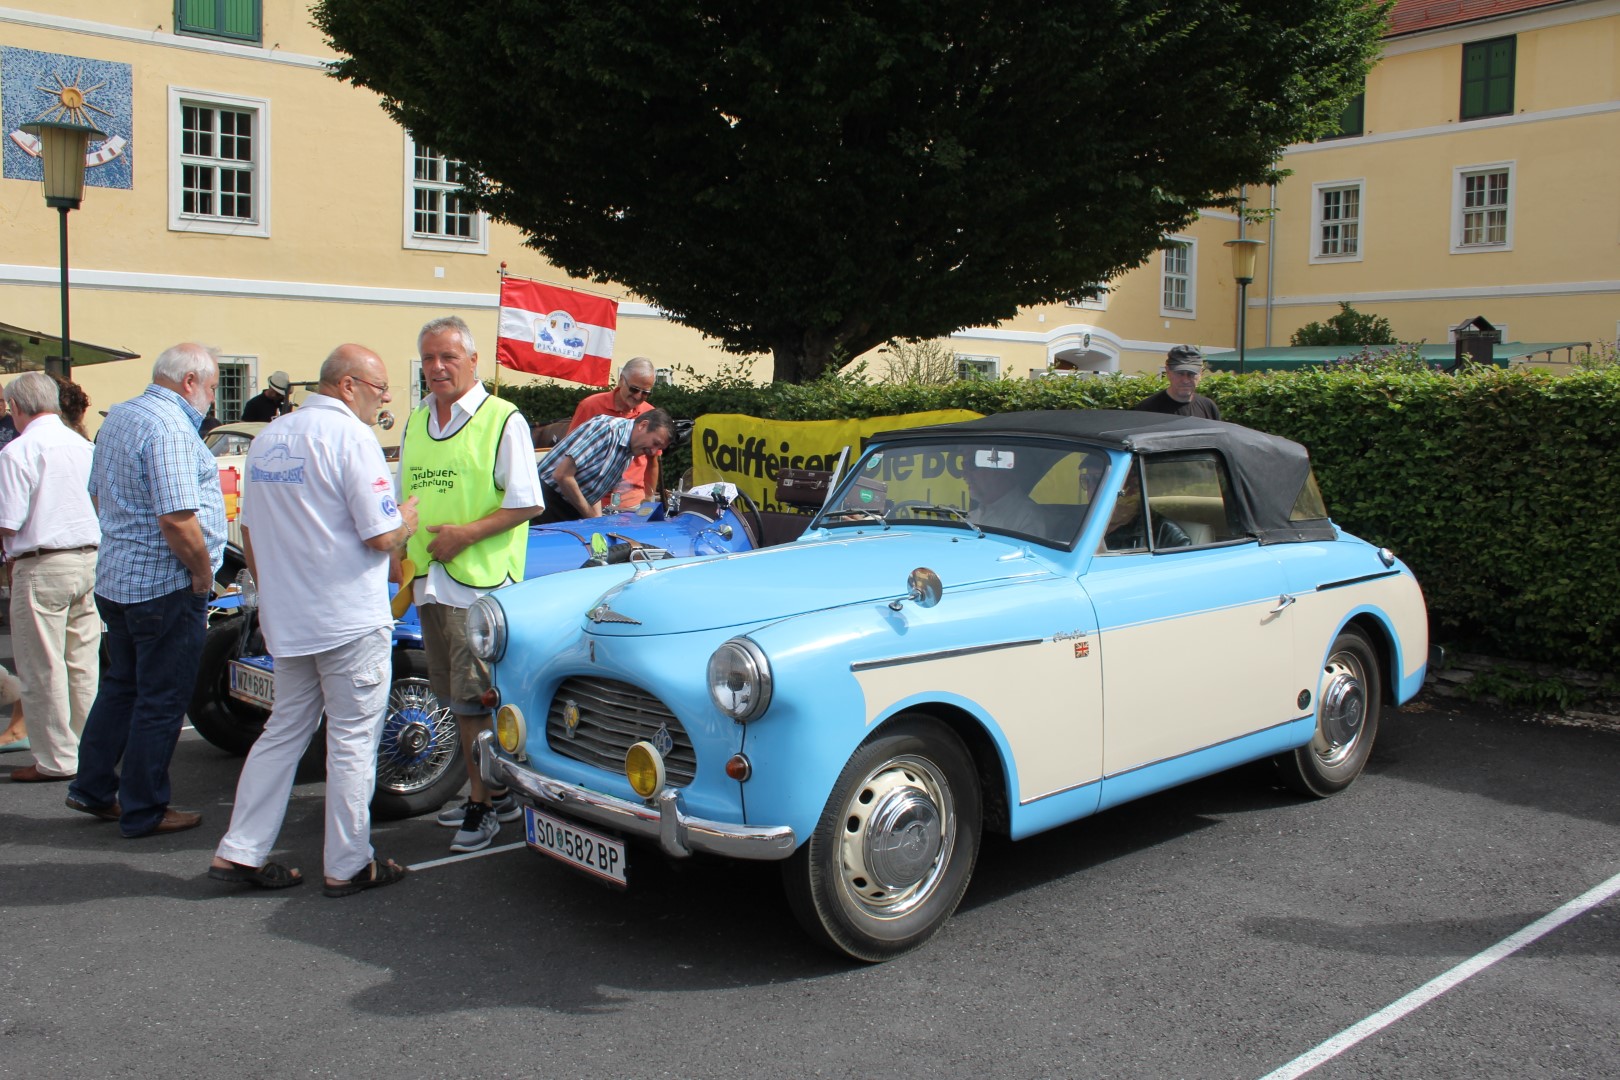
point(952, 512)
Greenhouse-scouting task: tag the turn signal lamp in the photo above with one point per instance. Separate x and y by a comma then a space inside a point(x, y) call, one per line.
point(644, 766)
point(510, 729)
point(739, 768)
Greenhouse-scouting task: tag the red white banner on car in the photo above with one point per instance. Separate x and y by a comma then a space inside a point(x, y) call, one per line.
point(548, 330)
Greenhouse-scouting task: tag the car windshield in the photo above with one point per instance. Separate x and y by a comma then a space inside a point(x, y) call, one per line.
point(1029, 489)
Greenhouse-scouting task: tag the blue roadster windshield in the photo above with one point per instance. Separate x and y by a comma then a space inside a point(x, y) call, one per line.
point(1029, 489)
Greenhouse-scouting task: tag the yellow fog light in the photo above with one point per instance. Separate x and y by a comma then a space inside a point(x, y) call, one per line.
point(644, 765)
point(510, 729)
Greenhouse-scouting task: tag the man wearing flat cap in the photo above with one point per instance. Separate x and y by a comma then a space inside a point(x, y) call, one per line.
point(1183, 367)
point(272, 402)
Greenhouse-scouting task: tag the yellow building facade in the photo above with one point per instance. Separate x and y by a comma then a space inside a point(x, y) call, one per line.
point(267, 209)
point(257, 205)
point(1484, 181)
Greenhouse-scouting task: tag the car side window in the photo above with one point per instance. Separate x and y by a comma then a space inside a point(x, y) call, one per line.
point(1188, 500)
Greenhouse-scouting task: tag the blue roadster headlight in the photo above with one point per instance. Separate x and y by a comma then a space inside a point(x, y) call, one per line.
point(486, 629)
point(740, 679)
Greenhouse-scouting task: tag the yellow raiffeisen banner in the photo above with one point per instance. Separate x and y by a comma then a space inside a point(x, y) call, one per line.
point(748, 451)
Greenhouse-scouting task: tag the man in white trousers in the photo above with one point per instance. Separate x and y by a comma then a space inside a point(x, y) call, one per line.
point(319, 522)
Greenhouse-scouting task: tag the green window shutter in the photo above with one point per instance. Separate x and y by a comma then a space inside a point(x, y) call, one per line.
point(1352, 120)
point(197, 14)
point(230, 20)
point(242, 18)
point(1487, 84)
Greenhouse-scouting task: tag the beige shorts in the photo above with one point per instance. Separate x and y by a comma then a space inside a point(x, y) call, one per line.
point(458, 678)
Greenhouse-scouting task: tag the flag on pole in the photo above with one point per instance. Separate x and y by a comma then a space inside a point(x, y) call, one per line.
point(549, 330)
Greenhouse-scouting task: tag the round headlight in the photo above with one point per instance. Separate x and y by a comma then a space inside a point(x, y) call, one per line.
point(740, 679)
point(486, 629)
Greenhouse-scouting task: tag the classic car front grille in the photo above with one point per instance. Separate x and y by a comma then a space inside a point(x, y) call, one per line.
point(612, 716)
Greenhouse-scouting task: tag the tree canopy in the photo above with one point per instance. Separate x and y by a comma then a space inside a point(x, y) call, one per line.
point(815, 179)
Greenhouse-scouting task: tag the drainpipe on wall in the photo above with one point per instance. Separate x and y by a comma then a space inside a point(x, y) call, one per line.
point(1271, 259)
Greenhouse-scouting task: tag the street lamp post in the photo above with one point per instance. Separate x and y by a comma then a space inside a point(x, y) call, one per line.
point(1244, 251)
point(62, 151)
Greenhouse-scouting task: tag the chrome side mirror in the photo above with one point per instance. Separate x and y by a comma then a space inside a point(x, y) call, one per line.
point(385, 419)
point(924, 589)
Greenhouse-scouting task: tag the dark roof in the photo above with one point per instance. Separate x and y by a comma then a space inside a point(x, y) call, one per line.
point(1267, 472)
point(1415, 16)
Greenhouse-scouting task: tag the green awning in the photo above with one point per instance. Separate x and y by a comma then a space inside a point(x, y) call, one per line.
point(26, 350)
point(1295, 357)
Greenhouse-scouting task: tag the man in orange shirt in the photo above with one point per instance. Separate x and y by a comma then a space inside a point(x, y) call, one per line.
point(636, 382)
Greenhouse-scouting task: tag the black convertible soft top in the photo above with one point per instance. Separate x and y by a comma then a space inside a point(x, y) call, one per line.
point(1268, 472)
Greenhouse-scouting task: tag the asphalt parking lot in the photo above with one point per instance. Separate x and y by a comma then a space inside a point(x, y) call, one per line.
point(1221, 930)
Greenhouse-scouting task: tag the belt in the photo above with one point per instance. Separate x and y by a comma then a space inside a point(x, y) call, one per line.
point(55, 551)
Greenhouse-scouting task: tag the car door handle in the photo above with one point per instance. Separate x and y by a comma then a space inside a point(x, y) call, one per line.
point(1282, 604)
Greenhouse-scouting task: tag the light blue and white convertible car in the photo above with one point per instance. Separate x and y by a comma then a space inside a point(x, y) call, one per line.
point(1004, 624)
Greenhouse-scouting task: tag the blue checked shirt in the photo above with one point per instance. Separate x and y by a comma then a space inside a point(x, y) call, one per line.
point(150, 461)
point(600, 449)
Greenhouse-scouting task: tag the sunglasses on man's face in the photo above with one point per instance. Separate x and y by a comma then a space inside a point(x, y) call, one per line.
point(642, 391)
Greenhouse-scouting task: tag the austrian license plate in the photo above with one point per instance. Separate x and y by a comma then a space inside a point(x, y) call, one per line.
point(253, 684)
point(580, 848)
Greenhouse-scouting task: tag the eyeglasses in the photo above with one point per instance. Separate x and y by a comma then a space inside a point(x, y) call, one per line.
point(641, 391)
point(383, 389)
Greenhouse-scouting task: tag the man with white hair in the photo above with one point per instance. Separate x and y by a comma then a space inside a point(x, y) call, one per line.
point(469, 458)
point(631, 397)
point(50, 530)
point(162, 514)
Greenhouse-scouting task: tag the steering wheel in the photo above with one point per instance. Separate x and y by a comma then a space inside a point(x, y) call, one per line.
point(758, 526)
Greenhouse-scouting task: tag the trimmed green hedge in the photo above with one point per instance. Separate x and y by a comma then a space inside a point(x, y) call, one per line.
point(1500, 488)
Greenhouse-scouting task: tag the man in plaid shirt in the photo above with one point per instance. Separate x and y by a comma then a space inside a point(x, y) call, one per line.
point(582, 468)
point(162, 515)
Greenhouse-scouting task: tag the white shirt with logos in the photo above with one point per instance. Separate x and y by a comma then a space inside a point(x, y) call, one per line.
point(515, 473)
point(318, 488)
point(44, 488)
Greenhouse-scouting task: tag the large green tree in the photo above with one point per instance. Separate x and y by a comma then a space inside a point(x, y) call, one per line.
point(815, 179)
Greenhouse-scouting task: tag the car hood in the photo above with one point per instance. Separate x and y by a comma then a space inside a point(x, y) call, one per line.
point(811, 575)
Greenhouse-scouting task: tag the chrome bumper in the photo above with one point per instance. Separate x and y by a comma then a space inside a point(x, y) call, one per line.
point(660, 818)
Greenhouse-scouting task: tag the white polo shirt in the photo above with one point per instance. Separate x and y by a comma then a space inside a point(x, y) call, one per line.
point(44, 488)
point(516, 474)
point(318, 488)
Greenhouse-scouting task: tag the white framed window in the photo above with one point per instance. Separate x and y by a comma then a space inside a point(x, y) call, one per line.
point(1178, 278)
point(1482, 208)
point(238, 379)
point(969, 366)
point(1336, 219)
point(1093, 298)
point(219, 163)
point(437, 215)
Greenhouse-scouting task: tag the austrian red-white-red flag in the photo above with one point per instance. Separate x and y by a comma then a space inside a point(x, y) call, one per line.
point(548, 330)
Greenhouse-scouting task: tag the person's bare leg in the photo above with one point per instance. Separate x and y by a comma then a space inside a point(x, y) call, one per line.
point(18, 729)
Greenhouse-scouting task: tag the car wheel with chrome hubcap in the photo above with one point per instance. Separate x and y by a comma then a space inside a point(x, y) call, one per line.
point(1349, 703)
point(895, 846)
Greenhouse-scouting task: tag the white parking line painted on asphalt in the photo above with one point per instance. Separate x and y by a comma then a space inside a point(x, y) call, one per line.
point(431, 863)
point(1432, 989)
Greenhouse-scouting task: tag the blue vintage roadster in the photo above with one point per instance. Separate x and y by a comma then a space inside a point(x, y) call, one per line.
point(1004, 624)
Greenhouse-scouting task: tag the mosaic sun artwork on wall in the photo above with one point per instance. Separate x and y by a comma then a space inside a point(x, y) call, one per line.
point(51, 87)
